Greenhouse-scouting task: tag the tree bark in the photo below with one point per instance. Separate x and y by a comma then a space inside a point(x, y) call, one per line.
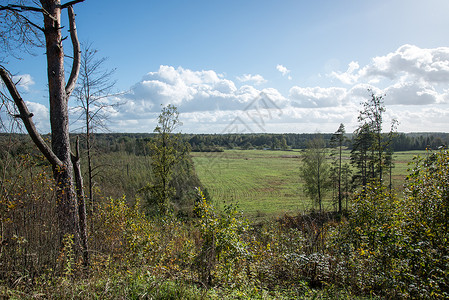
point(81, 203)
point(66, 200)
point(27, 120)
point(59, 155)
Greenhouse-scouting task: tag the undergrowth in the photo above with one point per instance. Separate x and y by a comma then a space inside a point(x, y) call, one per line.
point(384, 247)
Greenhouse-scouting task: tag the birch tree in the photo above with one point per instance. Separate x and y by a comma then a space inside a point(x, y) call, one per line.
point(167, 149)
point(315, 171)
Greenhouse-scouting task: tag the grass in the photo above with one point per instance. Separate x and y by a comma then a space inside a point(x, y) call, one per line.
point(266, 183)
point(262, 182)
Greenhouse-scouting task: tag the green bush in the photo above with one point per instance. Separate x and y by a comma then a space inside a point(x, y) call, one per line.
point(399, 247)
point(222, 242)
point(426, 228)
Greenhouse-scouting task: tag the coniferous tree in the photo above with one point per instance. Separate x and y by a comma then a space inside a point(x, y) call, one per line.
point(337, 141)
point(361, 155)
point(370, 145)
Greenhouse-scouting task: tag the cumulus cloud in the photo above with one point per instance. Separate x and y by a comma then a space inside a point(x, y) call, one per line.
point(408, 61)
point(413, 80)
point(409, 76)
point(414, 93)
point(190, 90)
point(348, 77)
point(284, 71)
point(430, 65)
point(256, 79)
point(40, 116)
point(317, 96)
point(24, 81)
point(198, 94)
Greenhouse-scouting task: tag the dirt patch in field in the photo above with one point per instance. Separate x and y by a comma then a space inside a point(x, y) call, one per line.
point(269, 189)
point(271, 186)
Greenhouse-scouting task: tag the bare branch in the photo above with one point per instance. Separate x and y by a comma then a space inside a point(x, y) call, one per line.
point(32, 24)
point(76, 53)
point(70, 3)
point(20, 8)
point(25, 115)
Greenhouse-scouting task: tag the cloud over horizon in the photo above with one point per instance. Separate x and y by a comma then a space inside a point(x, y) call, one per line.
point(412, 78)
point(415, 81)
point(257, 79)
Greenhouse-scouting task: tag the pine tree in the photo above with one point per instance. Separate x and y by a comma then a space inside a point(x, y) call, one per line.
point(337, 141)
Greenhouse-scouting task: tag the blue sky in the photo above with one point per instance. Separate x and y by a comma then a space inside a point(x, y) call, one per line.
point(311, 60)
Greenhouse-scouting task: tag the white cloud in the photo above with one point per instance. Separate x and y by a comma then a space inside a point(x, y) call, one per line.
point(204, 93)
point(284, 71)
point(40, 116)
point(408, 61)
point(317, 96)
point(430, 65)
point(256, 79)
point(408, 76)
point(189, 90)
point(413, 93)
point(24, 81)
point(414, 81)
point(348, 77)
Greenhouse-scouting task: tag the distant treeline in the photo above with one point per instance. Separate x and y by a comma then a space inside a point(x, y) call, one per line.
point(136, 142)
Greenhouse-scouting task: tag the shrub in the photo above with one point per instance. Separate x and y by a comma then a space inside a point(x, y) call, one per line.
point(426, 227)
point(222, 241)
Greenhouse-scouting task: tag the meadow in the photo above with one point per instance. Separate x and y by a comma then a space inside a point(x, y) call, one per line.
point(266, 183)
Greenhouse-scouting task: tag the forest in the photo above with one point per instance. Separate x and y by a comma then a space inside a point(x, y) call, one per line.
point(136, 143)
point(90, 215)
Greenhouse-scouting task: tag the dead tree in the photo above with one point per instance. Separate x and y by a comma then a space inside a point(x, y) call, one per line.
point(70, 195)
point(93, 95)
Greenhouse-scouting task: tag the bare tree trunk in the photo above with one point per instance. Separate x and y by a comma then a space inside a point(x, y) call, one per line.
point(81, 203)
point(60, 143)
point(59, 155)
point(339, 176)
point(89, 157)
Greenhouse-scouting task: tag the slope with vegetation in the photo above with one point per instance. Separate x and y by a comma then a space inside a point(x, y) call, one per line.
point(383, 246)
point(155, 233)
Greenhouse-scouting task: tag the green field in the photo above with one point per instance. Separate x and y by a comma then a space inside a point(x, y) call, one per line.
point(267, 183)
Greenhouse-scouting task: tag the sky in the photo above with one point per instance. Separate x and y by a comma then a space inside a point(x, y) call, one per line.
point(261, 66)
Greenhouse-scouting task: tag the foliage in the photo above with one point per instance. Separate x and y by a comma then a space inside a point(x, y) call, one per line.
point(368, 243)
point(426, 227)
point(386, 246)
point(371, 149)
point(167, 150)
point(222, 239)
point(399, 246)
point(28, 235)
